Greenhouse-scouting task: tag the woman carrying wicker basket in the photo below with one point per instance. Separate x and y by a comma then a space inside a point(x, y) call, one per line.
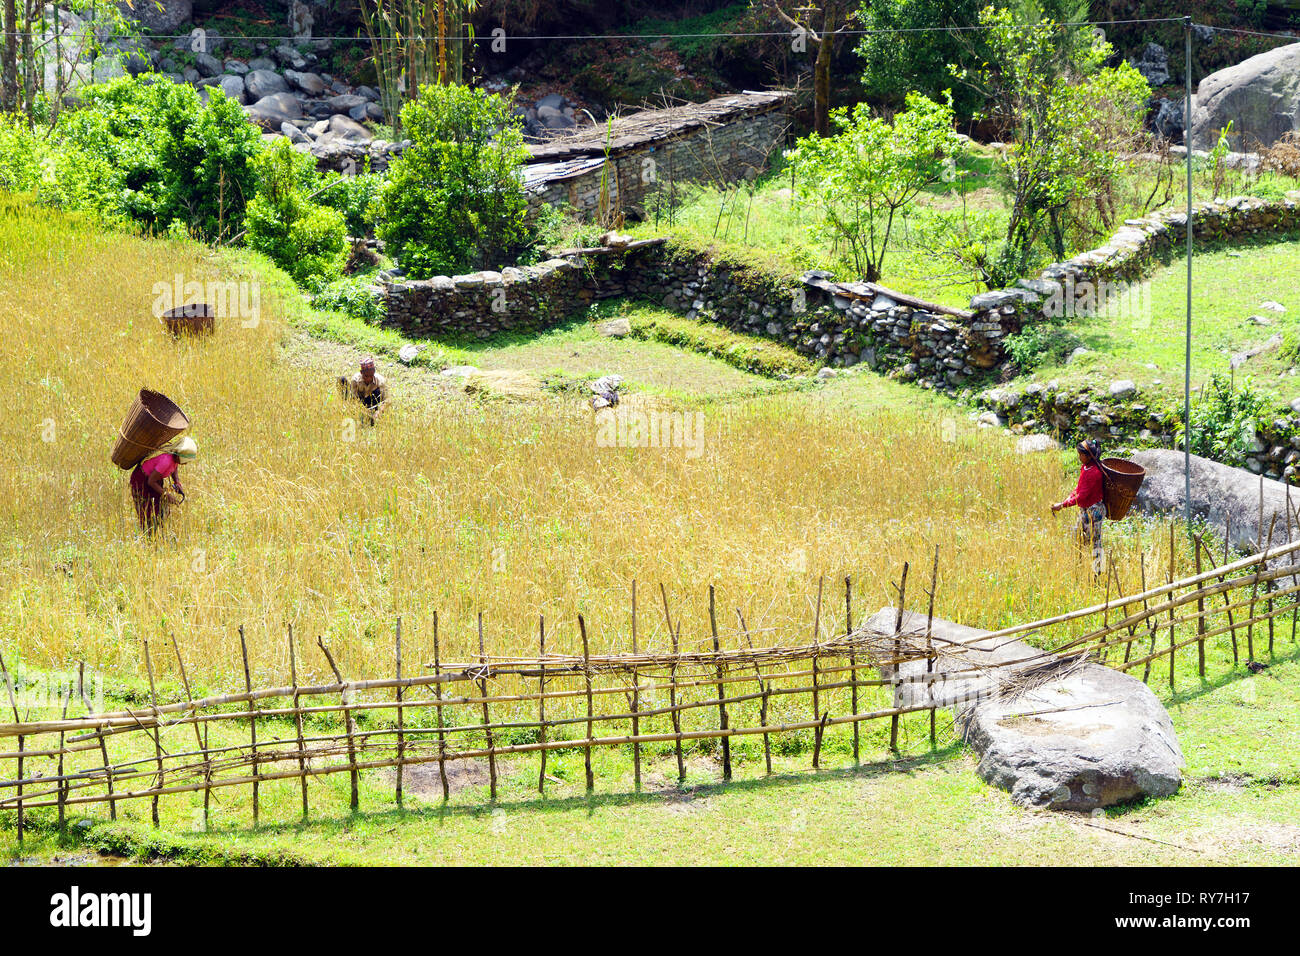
point(148, 490)
point(1088, 495)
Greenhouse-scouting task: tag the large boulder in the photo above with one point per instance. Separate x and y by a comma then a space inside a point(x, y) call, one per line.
point(348, 130)
point(1222, 496)
point(1056, 733)
point(1093, 737)
point(158, 16)
point(262, 83)
point(272, 112)
point(1259, 96)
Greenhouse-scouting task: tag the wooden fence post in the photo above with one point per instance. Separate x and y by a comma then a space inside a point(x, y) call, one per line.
point(252, 724)
point(586, 673)
point(103, 745)
point(929, 644)
point(636, 701)
point(297, 722)
point(816, 696)
point(853, 661)
point(762, 689)
point(13, 703)
point(487, 720)
point(345, 697)
point(442, 736)
point(401, 736)
point(672, 685)
point(722, 694)
point(541, 699)
point(1200, 612)
point(898, 651)
point(157, 738)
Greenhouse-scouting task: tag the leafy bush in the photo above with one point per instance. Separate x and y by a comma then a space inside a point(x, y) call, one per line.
point(350, 296)
point(455, 201)
point(21, 153)
point(151, 153)
point(1225, 421)
point(356, 197)
point(307, 240)
point(1043, 343)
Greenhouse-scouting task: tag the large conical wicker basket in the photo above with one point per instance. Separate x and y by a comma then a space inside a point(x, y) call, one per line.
point(1120, 487)
point(153, 421)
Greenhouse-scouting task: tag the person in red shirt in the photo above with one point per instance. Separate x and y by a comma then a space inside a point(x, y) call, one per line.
point(1088, 497)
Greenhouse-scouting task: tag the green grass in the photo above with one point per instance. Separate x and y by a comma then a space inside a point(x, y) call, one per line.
point(1229, 281)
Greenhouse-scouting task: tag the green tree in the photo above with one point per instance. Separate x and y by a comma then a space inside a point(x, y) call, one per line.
point(1065, 113)
point(455, 199)
point(871, 169)
point(921, 45)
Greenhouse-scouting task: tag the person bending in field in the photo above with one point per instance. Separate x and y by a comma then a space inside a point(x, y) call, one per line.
point(370, 389)
point(150, 494)
point(1088, 497)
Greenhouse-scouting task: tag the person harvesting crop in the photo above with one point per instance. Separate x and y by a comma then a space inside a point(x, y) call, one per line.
point(1088, 497)
point(148, 489)
point(370, 389)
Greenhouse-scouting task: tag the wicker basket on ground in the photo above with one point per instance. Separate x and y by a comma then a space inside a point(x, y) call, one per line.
point(196, 319)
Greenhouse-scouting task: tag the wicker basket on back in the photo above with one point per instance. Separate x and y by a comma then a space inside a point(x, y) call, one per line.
point(153, 421)
point(1122, 479)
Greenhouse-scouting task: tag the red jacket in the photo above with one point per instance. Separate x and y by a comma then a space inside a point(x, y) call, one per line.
point(1088, 491)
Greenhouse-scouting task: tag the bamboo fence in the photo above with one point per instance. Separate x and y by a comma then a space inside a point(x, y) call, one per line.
point(498, 709)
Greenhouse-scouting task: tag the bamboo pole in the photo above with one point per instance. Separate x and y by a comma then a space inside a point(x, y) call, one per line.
point(541, 699)
point(636, 700)
point(252, 725)
point(722, 706)
point(442, 736)
point(157, 740)
point(586, 656)
point(297, 722)
point(13, 704)
point(487, 720)
point(346, 695)
point(401, 736)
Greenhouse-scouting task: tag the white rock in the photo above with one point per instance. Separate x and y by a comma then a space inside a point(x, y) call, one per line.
point(1122, 388)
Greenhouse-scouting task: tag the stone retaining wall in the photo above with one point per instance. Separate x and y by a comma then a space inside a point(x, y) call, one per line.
point(846, 323)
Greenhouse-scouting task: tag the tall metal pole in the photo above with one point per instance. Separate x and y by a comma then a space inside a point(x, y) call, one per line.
point(1187, 358)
